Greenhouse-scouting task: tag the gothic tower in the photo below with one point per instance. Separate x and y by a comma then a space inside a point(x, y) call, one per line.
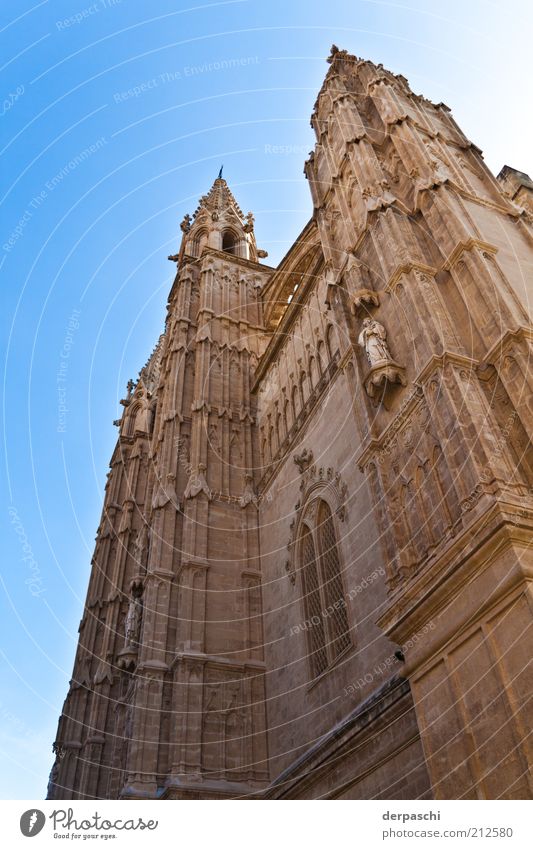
point(312, 574)
point(168, 688)
point(427, 262)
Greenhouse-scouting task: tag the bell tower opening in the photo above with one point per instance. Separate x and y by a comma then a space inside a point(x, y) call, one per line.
point(229, 242)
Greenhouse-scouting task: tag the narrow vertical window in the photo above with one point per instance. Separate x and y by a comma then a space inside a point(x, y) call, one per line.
point(336, 617)
point(313, 606)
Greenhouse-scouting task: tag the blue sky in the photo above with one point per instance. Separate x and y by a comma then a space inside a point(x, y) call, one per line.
point(116, 117)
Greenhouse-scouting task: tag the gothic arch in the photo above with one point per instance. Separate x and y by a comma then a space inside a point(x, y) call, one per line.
point(134, 419)
point(280, 435)
point(317, 562)
point(230, 241)
point(314, 373)
point(321, 356)
point(304, 387)
point(197, 242)
point(317, 484)
point(317, 654)
point(332, 344)
point(287, 415)
point(295, 402)
point(333, 585)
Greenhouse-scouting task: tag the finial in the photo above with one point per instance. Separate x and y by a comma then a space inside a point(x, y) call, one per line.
point(220, 173)
point(332, 53)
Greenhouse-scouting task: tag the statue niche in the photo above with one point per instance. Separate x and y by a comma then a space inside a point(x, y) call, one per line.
point(384, 370)
point(132, 627)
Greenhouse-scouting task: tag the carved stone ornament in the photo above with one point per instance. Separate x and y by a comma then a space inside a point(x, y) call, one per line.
point(140, 544)
point(248, 496)
point(185, 225)
point(126, 518)
point(373, 338)
point(363, 300)
point(103, 671)
point(381, 377)
point(197, 483)
point(304, 459)
point(384, 370)
point(166, 493)
point(132, 623)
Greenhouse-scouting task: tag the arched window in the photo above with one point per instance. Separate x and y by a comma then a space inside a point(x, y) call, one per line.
point(280, 435)
point(133, 421)
point(327, 626)
point(197, 243)
point(335, 603)
point(287, 416)
point(313, 372)
point(272, 448)
point(295, 401)
point(304, 387)
point(264, 448)
point(229, 242)
point(322, 358)
point(318, 657)
point(332, 342)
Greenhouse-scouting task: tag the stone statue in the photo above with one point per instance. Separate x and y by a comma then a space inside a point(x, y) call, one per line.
point(139, 545)
point(186, 223)
point(132, 624)
point(373, 338)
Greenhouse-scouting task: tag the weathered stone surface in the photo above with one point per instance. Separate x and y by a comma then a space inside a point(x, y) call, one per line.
point(312, 574)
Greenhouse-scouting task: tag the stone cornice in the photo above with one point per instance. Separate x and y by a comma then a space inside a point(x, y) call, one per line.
point(499, 350)
point(406, 268)
point(438, 361)
point(467, 245)
point(237, 260)
point(154, 666)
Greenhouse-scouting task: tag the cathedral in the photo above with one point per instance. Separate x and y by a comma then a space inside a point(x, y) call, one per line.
point(312, 574)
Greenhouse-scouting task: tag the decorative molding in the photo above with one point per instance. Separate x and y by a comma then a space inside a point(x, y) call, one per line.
point(304, 459)
point(406, 268)
point(197, 483)
point(362, 300)
point(249, 495)
point(315, 482)
point(467, 246)
point(382, 377)
point(166, 494)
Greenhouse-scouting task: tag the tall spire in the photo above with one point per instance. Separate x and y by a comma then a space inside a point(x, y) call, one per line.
point(220, 223)
point(219, 200)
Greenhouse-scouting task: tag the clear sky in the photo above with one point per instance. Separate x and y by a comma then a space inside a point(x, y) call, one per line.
point(116, 117)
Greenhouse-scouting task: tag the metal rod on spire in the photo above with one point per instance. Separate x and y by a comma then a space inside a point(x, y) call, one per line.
point(220, 173)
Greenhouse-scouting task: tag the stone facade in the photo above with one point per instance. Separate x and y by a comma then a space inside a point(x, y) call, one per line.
point(312, 573)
